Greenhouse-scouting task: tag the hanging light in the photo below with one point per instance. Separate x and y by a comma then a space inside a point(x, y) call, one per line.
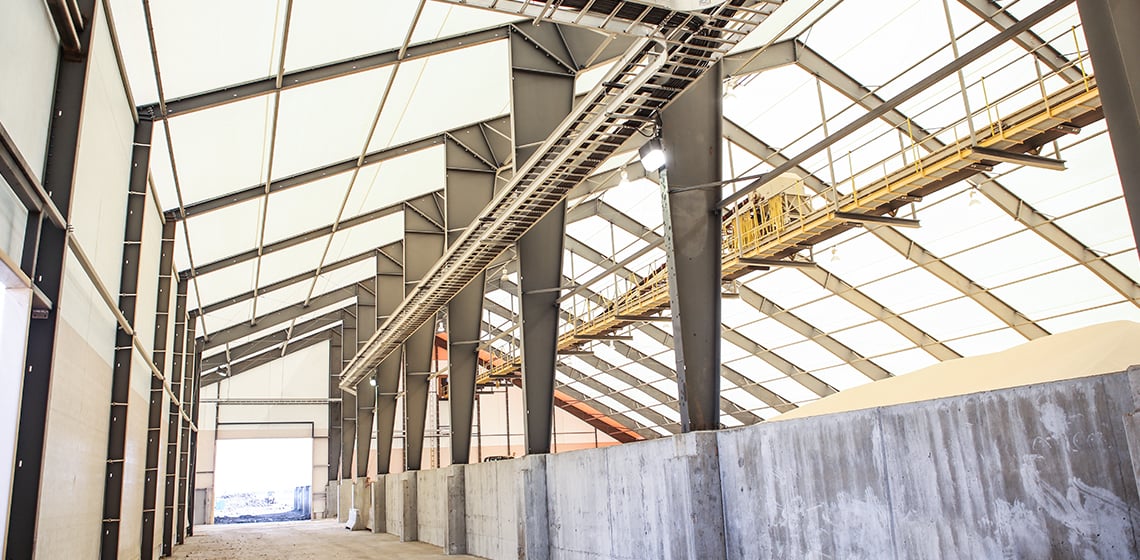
point(652, 155)
point(372, 381)
point(503, 276)
point(835, 253)
point(624, 178)
point(974, 200)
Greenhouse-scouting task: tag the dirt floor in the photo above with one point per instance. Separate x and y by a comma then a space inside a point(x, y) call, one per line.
point(316, 540)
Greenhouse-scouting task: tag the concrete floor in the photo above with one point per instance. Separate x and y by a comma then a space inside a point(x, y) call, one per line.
point(316, 540)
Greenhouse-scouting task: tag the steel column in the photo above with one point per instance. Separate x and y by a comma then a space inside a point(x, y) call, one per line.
point(48, 257)
point(183, 337)
point(542, 95)
point(691, 131)
point(389, 294)
point(157, 394)
point(335, 363)
point(185, 442)
point(470, 185)
point(195, 404)
point(124, 347)
point(1110, 29)
point(347, 400)
point(423, 245)
point(365, 390)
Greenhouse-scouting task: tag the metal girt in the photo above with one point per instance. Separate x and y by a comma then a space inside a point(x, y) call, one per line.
point(999, 17)
point(299, 78)
point(124, 344)
point(44, 258)
point(305, 177)
point(986, 47)
point(274, 318)
point(936, 266)
point(790, 320)
point(645, 80)
point(293, 241)
point(470, 186)
point(424, 242)
point(1110, 29)
point(162, 331)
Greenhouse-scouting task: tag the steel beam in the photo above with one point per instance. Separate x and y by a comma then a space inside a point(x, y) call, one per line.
point(691, 130)
point(291, 281)
point(542, 94)
point(48, 255)
point(997, 15)
point(124, 343)
point(162, 328)
point(1110, 29)
point(295, 240)
point(470, 186)
point(389, 292)
point(366, 389)
point(278, 317)
point(293, 345)
point(424, 240)
point(298, 78)
point(255, 192)
point(237, 354)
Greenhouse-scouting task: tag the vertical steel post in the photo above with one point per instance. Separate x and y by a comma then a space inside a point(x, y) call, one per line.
point(1110, 29)
point(46, 261)
point(542, 94)
point(185, 441)
point(182, 338)
point(195, 404)
point(469, 187)
point(336, 361)
point(691, 132)
point(348, 400)
point(389, 294)
point(162, 327)
point(124, 341)
point(423, 245)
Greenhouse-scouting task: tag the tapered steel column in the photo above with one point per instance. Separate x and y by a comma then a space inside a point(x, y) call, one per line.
point(423, 246)
point(185, 441)
point(389, 294)
point(348, 400)
point(542, 94)
point(470, 185)
point(365, 390)
point(691, 131)
point(1110, 29)
point(335, 364)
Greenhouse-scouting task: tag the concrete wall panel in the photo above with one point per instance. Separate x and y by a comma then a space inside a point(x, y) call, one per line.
point(431, 504)
point(491, 495)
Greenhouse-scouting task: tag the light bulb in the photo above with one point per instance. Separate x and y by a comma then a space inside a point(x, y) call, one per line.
point(834, 253)
point(974, 201)
point(372, 381)
point(624, 178)
point(503, 275)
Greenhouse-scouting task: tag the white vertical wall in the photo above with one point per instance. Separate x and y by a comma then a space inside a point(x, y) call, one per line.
point(29, 51)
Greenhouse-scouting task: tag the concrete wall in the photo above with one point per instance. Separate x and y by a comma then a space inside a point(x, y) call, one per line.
point(1039, 471)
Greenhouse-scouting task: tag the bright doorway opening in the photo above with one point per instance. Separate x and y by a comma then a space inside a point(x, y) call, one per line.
point(263, 480)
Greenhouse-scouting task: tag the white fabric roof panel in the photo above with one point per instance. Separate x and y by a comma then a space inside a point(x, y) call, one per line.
point(228, 147)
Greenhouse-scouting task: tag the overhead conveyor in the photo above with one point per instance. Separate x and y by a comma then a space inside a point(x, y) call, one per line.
point(774, 226)
point(677, 48)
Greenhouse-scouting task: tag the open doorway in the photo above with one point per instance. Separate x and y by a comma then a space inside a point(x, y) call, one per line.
point(263, 480)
